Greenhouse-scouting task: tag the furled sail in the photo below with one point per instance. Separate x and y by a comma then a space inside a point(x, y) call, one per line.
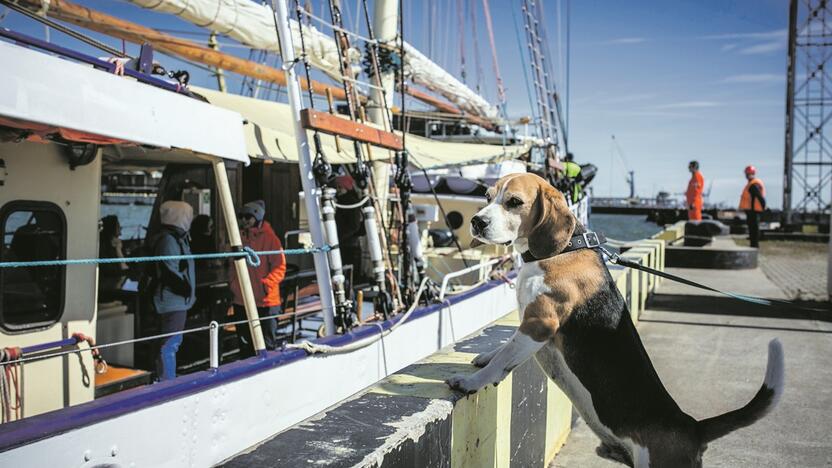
point(252, 24)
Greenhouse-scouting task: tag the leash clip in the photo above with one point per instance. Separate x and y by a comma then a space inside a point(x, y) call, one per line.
point(612, 256)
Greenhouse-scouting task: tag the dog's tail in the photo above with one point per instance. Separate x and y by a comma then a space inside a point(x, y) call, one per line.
point(763, 402)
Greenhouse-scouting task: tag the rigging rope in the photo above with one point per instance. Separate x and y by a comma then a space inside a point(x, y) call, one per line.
point(252, 256)
point(501, 91)
point(522, 55)
point(313, 348)
point(480, 73)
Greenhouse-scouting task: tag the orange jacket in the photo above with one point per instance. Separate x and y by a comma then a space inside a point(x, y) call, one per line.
point(266, 277)
point(695, 187)
point(745, 198)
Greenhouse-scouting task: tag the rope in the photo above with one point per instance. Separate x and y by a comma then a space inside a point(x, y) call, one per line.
point(313, 348)
point(11, 374)
point(251, 256)
point(501, 91)
point(354, 205)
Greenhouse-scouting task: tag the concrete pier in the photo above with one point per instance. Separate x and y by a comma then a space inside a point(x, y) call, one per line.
point(710, 352)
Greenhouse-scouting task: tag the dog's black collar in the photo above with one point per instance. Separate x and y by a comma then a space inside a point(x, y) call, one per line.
point(587, 240)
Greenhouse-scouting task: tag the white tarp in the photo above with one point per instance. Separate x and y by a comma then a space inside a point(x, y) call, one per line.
point(252, 24)
point(269, 133)
point(41, 88)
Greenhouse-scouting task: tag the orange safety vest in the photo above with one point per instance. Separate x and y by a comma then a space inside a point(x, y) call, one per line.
point(745, 199)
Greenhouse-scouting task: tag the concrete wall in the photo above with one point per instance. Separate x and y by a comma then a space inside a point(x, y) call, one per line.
point(412, 419)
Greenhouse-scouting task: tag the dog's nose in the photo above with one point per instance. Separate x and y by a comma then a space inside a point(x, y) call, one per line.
point(478, 223)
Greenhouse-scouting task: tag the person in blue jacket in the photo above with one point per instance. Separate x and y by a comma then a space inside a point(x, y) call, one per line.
point(173, 285)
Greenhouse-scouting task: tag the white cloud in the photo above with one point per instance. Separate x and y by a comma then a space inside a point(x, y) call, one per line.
point(625, 40)
point(625, 98)
point(754, 78)
point(764, 48)
point(727, 47)
point(775, 34)
point(689, 105)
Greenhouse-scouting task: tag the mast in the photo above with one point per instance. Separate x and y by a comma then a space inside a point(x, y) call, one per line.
point(281, 19)
point(385, 20)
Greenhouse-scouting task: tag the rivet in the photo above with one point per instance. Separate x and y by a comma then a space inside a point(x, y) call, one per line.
point(114, 451)
point(87, 456)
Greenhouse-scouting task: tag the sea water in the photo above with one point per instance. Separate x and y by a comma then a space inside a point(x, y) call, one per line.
point(623, 227)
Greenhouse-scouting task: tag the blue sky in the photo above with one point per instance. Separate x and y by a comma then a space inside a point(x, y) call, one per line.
point(672, 80)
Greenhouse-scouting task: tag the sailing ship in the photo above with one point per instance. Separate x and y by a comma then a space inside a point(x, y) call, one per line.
point(70, 123)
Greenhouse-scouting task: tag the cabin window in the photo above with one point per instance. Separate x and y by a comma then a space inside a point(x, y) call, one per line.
point(31, 297)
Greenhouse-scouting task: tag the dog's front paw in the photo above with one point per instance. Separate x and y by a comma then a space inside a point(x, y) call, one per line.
point(463, 383)
point(483, 359)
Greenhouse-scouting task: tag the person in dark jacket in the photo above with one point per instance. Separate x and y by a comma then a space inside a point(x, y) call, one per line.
point(753, 202)
point(350, 223)
point(174, 287)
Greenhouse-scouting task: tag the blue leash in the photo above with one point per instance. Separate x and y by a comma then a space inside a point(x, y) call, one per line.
point(616, 259)
point(252, 257)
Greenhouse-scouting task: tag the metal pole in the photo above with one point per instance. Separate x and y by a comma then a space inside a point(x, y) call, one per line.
point(227, 205)
point(214, 345)
point(304, 158)
point(213, 44)
point(385, 19)
point(789, 150)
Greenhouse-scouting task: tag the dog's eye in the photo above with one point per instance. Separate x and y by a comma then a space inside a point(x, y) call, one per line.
point(488, 197)
point(514, 202)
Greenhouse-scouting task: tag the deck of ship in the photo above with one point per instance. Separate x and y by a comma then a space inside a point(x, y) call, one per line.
point(710, 352)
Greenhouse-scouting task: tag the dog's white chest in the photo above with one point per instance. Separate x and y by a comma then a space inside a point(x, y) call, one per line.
point(530, 284)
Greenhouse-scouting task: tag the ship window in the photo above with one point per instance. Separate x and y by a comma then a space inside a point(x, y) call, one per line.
point(32, 297)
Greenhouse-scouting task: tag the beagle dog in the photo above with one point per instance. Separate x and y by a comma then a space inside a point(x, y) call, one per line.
point(576, 324)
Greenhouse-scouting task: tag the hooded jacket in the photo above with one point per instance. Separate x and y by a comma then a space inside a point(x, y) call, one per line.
point(266, 277)
point(174, 286)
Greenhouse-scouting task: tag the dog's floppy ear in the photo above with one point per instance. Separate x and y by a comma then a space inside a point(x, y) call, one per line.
point(554, 223)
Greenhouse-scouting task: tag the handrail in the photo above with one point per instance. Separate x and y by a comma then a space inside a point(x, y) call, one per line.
point(454, 274)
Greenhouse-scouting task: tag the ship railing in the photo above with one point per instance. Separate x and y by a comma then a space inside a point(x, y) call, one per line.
point(481, 268)
point(46, 350)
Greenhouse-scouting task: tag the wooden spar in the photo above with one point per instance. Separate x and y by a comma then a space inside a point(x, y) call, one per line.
point(333, 125)
point(126, 30)
point(447, 107)
point(110, 25)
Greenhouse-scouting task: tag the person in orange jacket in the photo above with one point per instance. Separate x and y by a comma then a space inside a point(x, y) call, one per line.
point(753, 202)
point(693, 195)
point(258, 234)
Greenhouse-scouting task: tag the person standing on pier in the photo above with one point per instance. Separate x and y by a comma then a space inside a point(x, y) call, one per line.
point(694, 193)
point(753, 202)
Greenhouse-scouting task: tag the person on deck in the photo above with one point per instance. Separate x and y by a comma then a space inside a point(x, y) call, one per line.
point(753, 202)
point(257, 234)
point(173, 286)
point(350, 223)
point(110, 275)
point(693, 195)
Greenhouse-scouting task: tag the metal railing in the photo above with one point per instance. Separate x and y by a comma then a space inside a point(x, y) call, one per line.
point(454, 274)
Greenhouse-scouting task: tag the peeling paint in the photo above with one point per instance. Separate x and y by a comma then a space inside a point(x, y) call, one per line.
point(410, 427)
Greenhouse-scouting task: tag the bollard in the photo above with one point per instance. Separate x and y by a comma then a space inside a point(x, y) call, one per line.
point(214, 345)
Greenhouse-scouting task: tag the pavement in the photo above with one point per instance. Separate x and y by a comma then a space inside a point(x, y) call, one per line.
point(798, 268)
point(710, 352)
